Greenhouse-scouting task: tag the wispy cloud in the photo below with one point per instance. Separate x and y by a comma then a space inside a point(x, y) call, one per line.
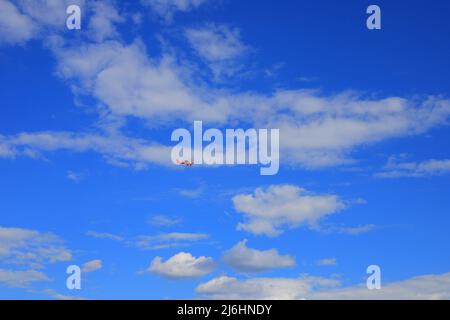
point(92, 266)
point(327, 262)
point(58, 296)
point(397, 167)
point(190, 193)
point(168, 240)
point(30, 247)
point(104, 235)
point(21, 279)
point(220, 46)
point(75, 176)
point(340, 229)
point(164, 221)
point(16, 27)
point(167, 8)
point(117, 150)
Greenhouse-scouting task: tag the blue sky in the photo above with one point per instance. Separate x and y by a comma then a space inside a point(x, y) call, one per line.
point(87, 179)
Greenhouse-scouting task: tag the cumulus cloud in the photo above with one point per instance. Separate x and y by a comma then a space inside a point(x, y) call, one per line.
point(168, 240)
point(398, 167)
point(182, 265)
point(268, 211)
point(92, 266)
point(167, 8)
point(29, 247)
point(21, 279)
point(230, 288)
point(427, 287)
point(245, 259)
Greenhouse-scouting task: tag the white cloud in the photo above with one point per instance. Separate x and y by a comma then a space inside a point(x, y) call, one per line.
point(74, 176)
point(327, 262)
point(155, 242)
point(245, 259)
point(23, 20)
point(192, 193)
point(58, 296)
point(268, 210)
point(131, 84)
point(117, 149)
point(168, 240)
point(182, 265)
point(102, 23)
point(354, 231)
point(167, 8)
point(15, 27)
point(219, 45)
point(104, 235)
point(21, 279)
point(327, 128)
point(48, 13)
point(216, 43)
point(5, 149)
point(262, 288)
point(397, 167)
point(427, 287)
point(163, 221)
point(30, 247)
point(30, 19)
point(123, 78)
point(92, 266)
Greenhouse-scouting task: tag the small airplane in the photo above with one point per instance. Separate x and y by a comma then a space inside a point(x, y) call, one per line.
point(185, 163)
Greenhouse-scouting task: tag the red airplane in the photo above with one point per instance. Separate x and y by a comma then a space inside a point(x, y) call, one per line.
point(185, 163)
